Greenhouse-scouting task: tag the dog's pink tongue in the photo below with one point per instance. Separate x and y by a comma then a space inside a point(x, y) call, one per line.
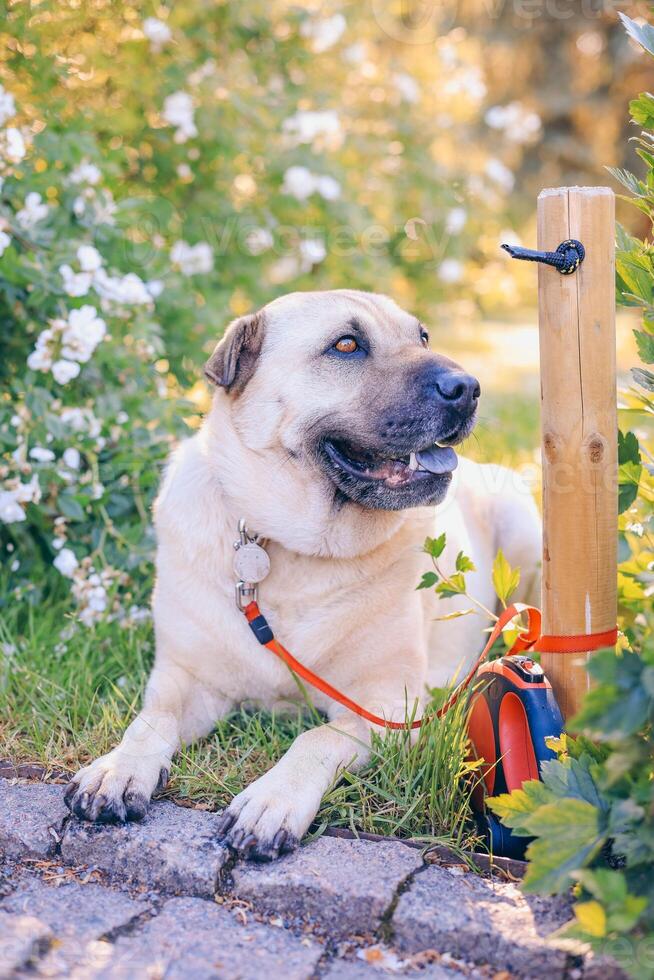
point(438, 459)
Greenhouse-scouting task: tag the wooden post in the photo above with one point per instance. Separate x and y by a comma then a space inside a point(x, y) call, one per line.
point(579, 430)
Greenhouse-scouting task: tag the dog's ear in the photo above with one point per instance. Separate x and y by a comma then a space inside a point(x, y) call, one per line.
point(233, 361)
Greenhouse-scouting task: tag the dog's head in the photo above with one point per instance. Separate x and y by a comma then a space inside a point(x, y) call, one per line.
point(343, 384)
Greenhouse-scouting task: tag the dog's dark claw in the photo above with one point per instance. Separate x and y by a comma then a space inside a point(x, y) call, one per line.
point(69, 793)
point(226, 821)
point(249, 843)
point(164, 776)
point(80, 804)
point(136, 806)
point(279, 840)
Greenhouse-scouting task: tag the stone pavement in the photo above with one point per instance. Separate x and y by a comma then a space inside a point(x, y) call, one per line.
point(163, 899)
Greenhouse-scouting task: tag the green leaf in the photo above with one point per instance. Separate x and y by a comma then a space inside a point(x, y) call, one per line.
point(642, 110)
point(643, 378)
point(70, 507)
point(568, 836)
point(591, 918)
point(505, 578)
point(435, 546)
point(645, 344)
point(643, 34)
point(464, 564)
point(428, 580)
point(570, 778)
point(514, 808)
point(628, 448)
point(454, 585)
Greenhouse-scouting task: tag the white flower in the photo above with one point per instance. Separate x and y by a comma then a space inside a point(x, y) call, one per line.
point(468, 81)
point(64, 371)
point(10, 510)
point(520, 125)
point(407, 87)
point(178, 112)
point(155, 287)
point(85, 173)
point(80, 420)
point(7, 105)
point(306, 125)
point(324, 32)
point(299, 182)
point(89, 258)
point(355, 53)
point(129, 290)
point(455, 220)
point(41, 455)
point(5, 241)
point(75, 283)
point(58, 543)
point(451, 270)
point(192, 259)
point(66, 562)
point(184, 172)
point(312, 251)
point(32, 211)
point(259, 240)
point(500, 174)
point(82, 334)
point(157, 32)
point(27, 493)
point(13, 145)
point(71, 458)
point(40, 359)
point(328, 187)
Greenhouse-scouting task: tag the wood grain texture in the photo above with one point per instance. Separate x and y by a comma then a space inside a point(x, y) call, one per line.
point(579, 430)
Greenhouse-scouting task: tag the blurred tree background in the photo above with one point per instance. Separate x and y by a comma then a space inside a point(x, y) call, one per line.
point(380, 144)
point(167, 167)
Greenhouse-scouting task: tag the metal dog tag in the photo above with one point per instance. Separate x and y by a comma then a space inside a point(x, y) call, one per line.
point(251, 563)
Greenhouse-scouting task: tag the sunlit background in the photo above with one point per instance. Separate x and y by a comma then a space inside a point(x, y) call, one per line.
point(166, 168)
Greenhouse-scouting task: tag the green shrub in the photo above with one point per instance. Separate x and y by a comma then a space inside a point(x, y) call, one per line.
point(161, 176)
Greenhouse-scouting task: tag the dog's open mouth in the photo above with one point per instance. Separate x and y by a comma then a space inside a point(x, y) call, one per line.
point(393, 472)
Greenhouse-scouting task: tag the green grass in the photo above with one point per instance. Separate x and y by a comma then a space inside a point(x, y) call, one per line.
point(69, 691)
point(68, 701)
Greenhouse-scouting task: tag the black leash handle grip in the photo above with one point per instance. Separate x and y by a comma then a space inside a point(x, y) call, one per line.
point(566, 259)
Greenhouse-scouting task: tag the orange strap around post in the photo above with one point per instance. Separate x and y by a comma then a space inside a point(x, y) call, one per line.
point(529, 639)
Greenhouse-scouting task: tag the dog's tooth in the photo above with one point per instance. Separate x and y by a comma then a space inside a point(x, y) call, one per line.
point(413, 462)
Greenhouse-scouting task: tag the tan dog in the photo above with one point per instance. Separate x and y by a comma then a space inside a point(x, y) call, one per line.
point(329, 434)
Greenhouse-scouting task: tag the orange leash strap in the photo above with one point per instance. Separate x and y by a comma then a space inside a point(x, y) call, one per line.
point(529, 639)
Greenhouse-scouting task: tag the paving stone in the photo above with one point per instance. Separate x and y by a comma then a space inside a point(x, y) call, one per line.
point(173, 849)
point(22, 939)
point(29, 813)
point(344, 886)
point(358, 970)
point(481, 921)
point(192, 938)
point(76, 914)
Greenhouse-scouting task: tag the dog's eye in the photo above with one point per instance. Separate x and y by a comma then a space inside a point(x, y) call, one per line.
point(424, 337)
point(346, 345)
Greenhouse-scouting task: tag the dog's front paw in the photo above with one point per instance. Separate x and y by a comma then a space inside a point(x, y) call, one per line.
point(115, 788)
point(267, 819)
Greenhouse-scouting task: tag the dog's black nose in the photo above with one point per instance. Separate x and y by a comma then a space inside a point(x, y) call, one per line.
point(457, 389)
